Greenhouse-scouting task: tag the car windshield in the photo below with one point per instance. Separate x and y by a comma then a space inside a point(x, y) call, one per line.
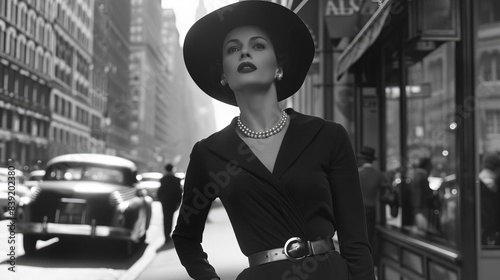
point(71, 172)
point(35, 177)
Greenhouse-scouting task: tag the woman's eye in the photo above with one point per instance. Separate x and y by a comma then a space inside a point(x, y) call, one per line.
point(259, 46)
point(232, 49)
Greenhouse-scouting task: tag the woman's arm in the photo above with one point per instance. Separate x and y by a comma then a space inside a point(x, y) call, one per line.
point(348, 207)
point(193, 212)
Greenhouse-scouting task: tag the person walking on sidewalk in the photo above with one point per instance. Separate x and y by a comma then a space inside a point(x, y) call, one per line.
point(373, 182)
point(288, 181)
point(170, 196)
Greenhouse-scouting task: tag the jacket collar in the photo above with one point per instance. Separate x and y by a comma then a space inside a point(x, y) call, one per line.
point(301, 131)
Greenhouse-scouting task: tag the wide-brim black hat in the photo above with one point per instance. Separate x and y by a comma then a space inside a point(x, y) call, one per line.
point(287, 31)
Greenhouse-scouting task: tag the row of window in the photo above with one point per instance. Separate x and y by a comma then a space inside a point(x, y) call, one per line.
point(25, 52)
point(29, 125)
point(26, 20)
point(62, 75)
point(72, 27)
point(64, 108)
point(23, 87)
point(63, 136)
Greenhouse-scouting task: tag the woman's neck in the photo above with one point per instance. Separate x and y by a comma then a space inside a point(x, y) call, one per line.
point(258, 111)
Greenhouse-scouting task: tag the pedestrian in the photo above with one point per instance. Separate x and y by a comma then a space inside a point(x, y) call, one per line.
point(288, 181)
point(490, 199)
point(422, 195)
point(373, 184)
point(170, 196)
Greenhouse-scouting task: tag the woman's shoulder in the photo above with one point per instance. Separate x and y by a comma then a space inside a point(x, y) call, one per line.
point(307, 120)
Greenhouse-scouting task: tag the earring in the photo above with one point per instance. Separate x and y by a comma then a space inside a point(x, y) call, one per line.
point(278, 76)
point(223, 82)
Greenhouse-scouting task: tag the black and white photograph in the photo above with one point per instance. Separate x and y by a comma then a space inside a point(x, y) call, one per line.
point(250, 139)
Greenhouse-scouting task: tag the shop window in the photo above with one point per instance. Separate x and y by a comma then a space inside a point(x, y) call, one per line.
point(430, 144)
point(393, 131)
point(487, 117)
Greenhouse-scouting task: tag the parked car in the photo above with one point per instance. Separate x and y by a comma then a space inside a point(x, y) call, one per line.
point(10, 191)
point(86, 195)
point(150, 181)
point(34, 177)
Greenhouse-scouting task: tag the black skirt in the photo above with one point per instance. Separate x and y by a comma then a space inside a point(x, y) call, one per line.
point(320, 267)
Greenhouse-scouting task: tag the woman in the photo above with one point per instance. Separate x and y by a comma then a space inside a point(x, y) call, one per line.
point(287, 190)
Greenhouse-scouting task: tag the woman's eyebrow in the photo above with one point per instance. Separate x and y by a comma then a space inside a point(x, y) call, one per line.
point(251, 39)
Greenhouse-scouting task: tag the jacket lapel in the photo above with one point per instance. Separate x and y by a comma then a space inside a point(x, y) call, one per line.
point(227, 144)
point(300, 133)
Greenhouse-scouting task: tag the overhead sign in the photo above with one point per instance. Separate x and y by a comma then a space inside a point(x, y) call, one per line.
point(363, 39)
point(344, 18)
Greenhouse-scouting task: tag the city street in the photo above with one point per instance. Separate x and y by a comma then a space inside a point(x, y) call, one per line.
point(103, 260)
point(220, 244)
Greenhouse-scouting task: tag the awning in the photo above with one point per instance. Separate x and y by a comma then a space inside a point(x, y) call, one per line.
point(308, 12)
point(364, 39)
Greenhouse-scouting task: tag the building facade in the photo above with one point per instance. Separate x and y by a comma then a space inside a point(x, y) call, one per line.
point(27, 49)
point(425, 80)
point(111, 72)
point(77, 106)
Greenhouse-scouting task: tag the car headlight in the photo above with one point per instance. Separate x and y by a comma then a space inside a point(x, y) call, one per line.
point(34, 192)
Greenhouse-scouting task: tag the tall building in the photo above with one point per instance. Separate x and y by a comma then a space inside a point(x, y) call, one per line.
point(146, 62)
point(175, 112)
point(77, 106)
point(26, 70)
point(201, 105)
point(111, 71)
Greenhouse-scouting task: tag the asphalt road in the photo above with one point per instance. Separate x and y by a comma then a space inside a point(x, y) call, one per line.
point(85, 259)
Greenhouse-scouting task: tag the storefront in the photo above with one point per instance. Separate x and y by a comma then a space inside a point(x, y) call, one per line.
point(426, 78)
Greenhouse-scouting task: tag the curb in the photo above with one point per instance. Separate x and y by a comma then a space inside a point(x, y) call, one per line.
point(149, 255)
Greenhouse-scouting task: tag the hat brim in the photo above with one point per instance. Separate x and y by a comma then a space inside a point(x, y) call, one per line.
point(203, 45)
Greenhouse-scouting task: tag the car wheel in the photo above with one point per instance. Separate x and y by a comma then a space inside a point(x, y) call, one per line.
point(29, 243)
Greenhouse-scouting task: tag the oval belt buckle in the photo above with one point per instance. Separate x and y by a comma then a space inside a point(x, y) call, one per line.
point(294, 241)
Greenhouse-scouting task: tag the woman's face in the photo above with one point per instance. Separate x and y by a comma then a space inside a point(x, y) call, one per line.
point(248, 59)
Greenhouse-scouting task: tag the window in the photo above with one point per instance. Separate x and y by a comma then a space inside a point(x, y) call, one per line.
point(493, 122)
point(431, 146)
point(487, 116)
point(10, 119)
point(2, 39)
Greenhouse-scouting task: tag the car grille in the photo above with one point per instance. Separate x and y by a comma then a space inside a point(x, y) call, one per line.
point(71, 211)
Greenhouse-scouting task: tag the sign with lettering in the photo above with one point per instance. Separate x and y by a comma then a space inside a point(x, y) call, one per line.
point(344, 18)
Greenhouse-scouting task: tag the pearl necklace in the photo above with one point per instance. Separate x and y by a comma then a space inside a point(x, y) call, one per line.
point(266, 133)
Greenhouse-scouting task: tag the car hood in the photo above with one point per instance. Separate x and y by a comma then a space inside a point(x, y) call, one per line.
point(84, 187)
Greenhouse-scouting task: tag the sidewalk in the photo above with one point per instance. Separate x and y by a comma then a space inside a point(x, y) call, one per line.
point(218, 241)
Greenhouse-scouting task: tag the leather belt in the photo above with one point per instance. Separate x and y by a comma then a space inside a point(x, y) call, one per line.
point(295, 249)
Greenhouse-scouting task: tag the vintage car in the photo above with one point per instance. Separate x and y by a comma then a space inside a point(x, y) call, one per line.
point(86, 195)
point(150, 181)
point(10, 191)
point(34, 177)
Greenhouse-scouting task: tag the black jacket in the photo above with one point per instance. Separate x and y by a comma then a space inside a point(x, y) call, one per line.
point(314, 190)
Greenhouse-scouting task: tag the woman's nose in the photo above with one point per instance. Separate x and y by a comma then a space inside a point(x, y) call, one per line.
point(244, 52)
